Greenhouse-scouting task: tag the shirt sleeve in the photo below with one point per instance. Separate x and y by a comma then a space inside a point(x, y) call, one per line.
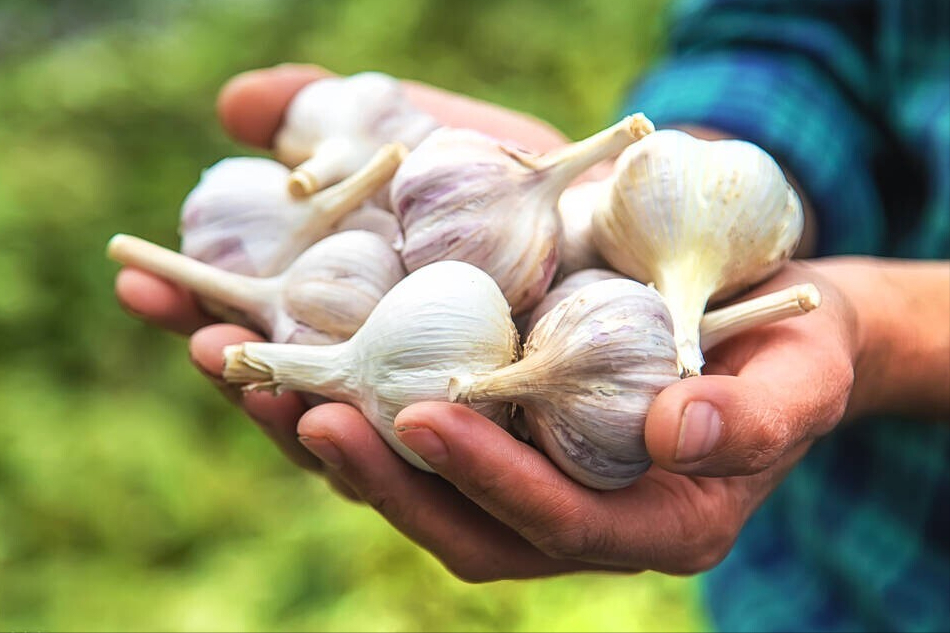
point(795, 81)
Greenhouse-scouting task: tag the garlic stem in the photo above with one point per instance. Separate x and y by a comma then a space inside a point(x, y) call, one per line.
point(568, 162)
point(330, 205)
point(719, 325)
point(320, 369)
point(237, 291)
point(514, 383)
point(325, 167)
point(520, 381)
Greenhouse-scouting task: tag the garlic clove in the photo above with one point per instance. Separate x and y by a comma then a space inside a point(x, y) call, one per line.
point(369, 217)
point(593, 365)
point(333, 126)
point(701, 220)
point(323, 297)
point(240, 217)
point(444, 319)
point(466, 196)
point(570, 284)
point(576, 249)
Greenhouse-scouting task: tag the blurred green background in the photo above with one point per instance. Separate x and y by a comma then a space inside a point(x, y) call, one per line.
point(132, 496)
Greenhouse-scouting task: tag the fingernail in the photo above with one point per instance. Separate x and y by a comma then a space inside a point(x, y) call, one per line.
point(699, 430)
point(424, 443)
point(323, 448)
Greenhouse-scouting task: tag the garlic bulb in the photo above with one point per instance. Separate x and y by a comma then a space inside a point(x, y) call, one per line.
point(593, 365)
point(441, 320)
point(701, 220)
point(567, 286)
point(466, 196)
point(576, 249)
point(240, 217)
point(333, 126)
point(323, 297)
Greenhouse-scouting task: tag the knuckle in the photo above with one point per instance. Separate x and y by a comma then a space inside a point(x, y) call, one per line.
point(764, 444)
point(704, 549)
point(486, 486)
point(471, 569)
point(569, 537)
point(383, 503)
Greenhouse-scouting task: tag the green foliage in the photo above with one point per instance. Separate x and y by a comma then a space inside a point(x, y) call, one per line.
point(131, 495)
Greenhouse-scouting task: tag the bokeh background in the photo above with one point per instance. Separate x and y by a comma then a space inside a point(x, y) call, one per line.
point(132, 496)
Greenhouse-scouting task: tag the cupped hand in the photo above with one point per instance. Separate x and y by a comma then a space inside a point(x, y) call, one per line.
point(721, 443)
point(251, 107)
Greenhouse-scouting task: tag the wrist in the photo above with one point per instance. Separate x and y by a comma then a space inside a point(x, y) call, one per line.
point(900, 338)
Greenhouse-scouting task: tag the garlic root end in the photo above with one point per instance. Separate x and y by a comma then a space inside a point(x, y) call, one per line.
point(239, 368)
point(302, 184)
point(460, 387)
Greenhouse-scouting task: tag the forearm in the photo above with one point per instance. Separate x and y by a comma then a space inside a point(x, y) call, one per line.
point(902, 363)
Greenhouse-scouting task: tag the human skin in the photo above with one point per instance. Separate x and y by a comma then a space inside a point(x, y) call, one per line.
point(721, 442)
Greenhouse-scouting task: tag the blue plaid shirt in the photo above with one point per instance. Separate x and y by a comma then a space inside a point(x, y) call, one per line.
point(853, 98)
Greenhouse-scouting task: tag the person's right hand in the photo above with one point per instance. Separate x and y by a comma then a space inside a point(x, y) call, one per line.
point(251, 108)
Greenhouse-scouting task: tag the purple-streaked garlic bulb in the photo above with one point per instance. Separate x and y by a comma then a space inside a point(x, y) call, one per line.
point(323, 297)
point(465, 196)
point(441, 320)
point(576, 250)
point(240, 217)
point(700, 219)
point(334, 125)
point(568, 286)
point(593, 365)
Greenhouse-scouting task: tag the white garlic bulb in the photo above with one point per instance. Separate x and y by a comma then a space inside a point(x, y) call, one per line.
point(576, 250)
point(566, 287)
point(466, 196)
point(593, 365)
point(441, 320)
point(701, 220)
point(240, 217)
point(334, 125)
point(323, 297)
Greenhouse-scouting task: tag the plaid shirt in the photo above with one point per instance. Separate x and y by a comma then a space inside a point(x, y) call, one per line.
point(853, 98)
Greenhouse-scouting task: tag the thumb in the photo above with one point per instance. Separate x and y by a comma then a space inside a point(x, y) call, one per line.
point(719, 426)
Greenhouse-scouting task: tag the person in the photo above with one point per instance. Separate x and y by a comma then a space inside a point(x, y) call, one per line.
point(808, 468)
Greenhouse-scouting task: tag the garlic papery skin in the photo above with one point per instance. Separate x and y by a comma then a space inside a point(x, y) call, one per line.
point(463, 195)
point(323, 297)
point(567, 286)
point(442, 320)
point(369, 217)
point(576, 249)
point(334, 125)
point(701, 220)
point(591, 368)
point(240, 217)
point(593, 365)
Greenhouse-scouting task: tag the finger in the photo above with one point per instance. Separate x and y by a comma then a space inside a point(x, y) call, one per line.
point(159, 302)
point(471, 544)
point(251, 108)
point(662, 521)
point(456, 110)
point(790, 389)
point(508, 478)
point(251, 105)
point(275, 415)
